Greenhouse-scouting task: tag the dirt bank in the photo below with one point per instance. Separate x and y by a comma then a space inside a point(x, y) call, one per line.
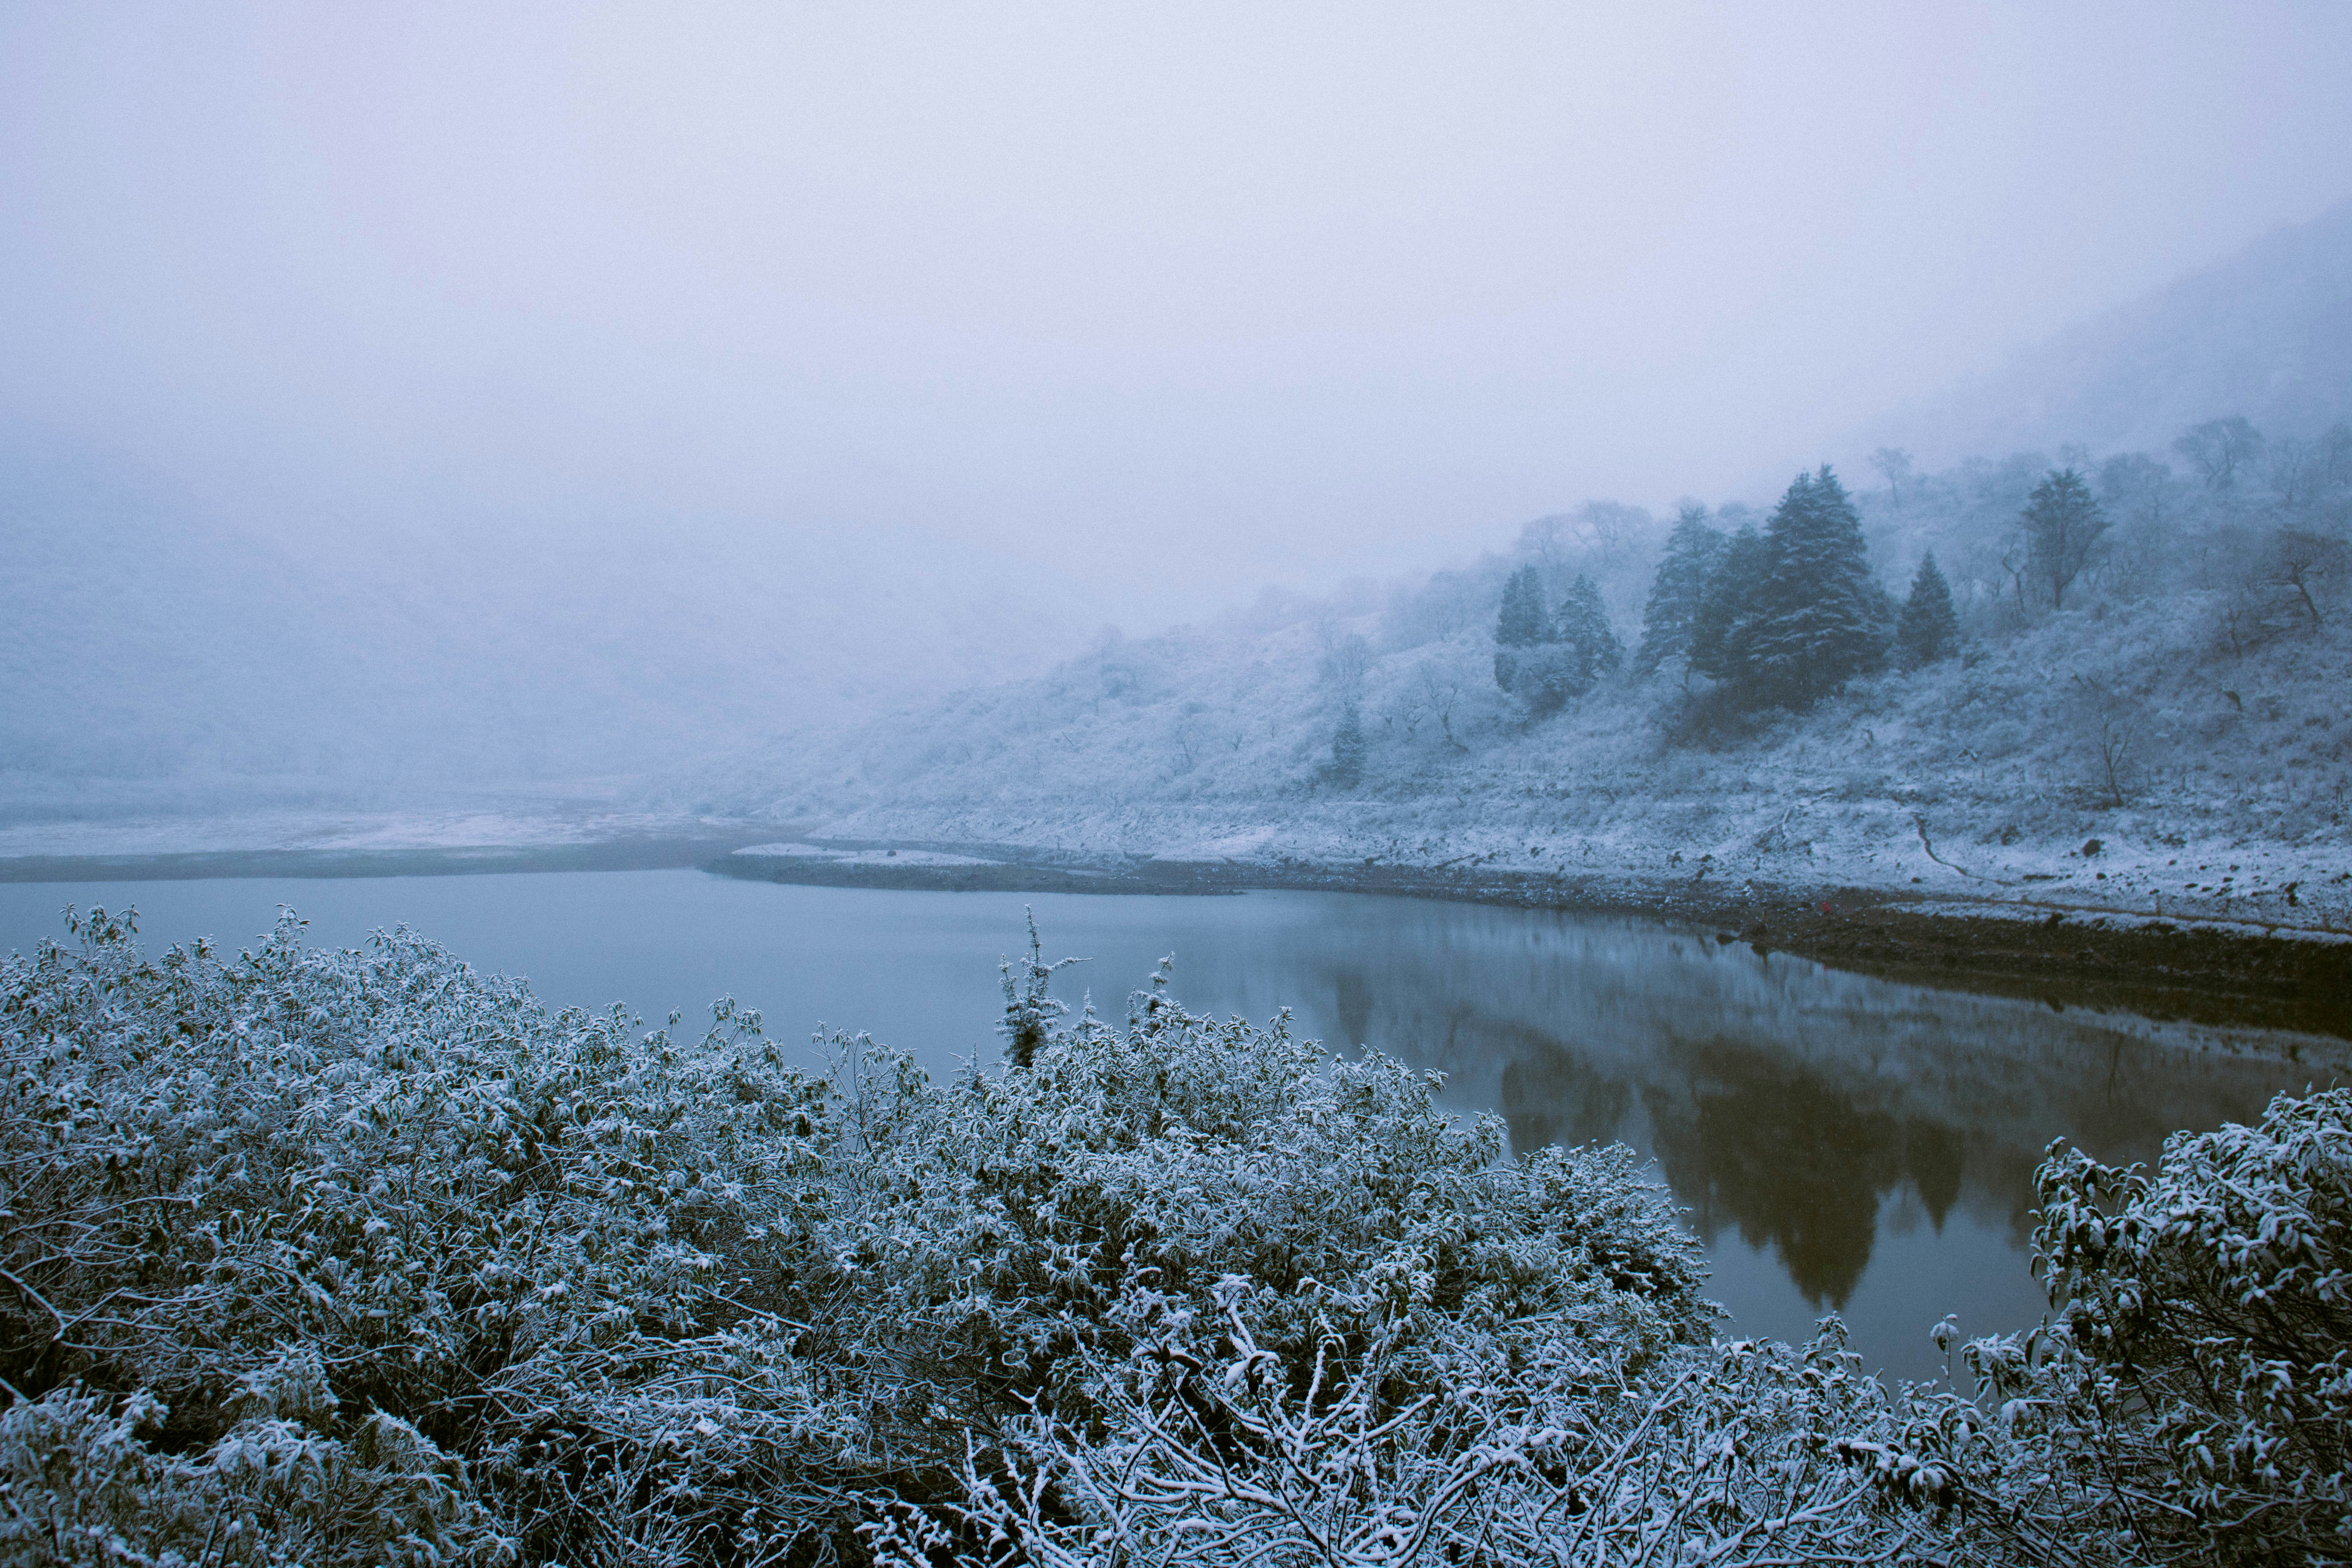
point(2068, 954)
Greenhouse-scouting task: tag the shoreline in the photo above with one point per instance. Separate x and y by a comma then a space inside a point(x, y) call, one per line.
point(2069, 954)
point(2242, 974)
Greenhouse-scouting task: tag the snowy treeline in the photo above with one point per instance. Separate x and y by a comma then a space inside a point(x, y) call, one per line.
point(364, 1257)
point(2144, 648)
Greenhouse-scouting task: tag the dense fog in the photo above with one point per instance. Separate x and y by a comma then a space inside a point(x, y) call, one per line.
point(1713, 640)
point(161, 651)
point(413, 406)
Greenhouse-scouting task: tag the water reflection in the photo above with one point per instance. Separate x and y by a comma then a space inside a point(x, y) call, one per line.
point(1811, 1120)
point(1550, 1097)
point(1776, 1152)
point(1779, 1153)
point(1841, 1141)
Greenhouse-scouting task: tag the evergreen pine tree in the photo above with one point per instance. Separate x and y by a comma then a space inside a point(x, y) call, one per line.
point(1726, 605)
point(1679, 589)
point(1817, 617)
point(2062, 524)
point(1928, 630)
point(1348, 748)
point(1520, 624)
point(1587, 639)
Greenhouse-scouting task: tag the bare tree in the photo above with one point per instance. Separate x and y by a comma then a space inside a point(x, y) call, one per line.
point(2113, 744)
point(2299, 558)
point(2134, 487)
point(1406, 712)
point(1443, 694)
point(2013, 558)
point(2294, 477)
point(1190, 733)
point(2111, 725)
point(2331, 456)
point(1893, 465)
point(2243, 626)
point(2222, 449)
point(1545, 542)
point(1346, 658)
point(1607, 528)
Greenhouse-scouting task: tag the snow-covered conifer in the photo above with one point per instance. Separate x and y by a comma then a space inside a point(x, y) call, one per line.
point(1348, 748)
point(1726, 605)
point(1928, 630)
point(2062, 524)
point(1584, 634)
point(1816, 616)
point(1521, 624)
point(1679, 589)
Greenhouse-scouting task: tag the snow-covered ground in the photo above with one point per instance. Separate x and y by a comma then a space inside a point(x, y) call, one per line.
point(2139, 875)
point(903, 858)
point(2125, 756)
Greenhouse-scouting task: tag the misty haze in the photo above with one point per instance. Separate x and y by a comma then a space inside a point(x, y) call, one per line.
point(889, 785)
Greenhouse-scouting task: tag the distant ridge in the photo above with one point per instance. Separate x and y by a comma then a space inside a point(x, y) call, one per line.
point(2266, 333)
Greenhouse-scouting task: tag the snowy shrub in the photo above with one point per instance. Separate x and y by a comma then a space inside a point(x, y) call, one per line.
point(364, 1257)
point(2192, 1400)
point(1008, 1232)
point(322, 1206)
point(2189, 1406)
point(2216, 1295)
point(1527, 1445)
point(621, 1299)
point(78, 1486)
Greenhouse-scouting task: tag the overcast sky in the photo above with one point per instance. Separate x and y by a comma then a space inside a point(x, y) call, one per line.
point(1188, 297)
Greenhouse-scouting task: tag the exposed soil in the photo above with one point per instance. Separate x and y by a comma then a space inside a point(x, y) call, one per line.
point(2065, 957)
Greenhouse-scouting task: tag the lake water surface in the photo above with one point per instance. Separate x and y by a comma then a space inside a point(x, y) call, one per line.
point(1841, 1143)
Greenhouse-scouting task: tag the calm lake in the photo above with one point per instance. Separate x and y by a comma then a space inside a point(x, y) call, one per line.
point(1841, 1143)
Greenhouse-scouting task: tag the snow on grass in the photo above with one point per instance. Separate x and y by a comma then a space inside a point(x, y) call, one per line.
point(820, 854)
point(2114, 758)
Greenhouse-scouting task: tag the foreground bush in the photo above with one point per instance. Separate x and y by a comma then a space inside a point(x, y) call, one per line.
point(364, 1257)
point(2188, 1405)
point(287, 1197)
point(2216, 1295)
point(642, 1301)
point(1532, 1446)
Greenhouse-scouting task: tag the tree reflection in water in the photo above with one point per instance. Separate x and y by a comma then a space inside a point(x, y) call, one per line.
point(1811, 1118)
point(1747, 1141)
point(1935, 1159)
point(1551, 1097)
point(1811, 1113)
point(1776, 1152)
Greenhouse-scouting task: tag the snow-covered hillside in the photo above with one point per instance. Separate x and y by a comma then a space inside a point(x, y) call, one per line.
point(2175, 742)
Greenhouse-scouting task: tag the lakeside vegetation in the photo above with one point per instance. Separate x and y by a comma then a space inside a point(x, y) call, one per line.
point(366, 1257)
point(2124, 652)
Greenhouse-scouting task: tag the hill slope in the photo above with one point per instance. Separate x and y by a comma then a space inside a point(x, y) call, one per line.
point(2266, 333)
point(2185, 709)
